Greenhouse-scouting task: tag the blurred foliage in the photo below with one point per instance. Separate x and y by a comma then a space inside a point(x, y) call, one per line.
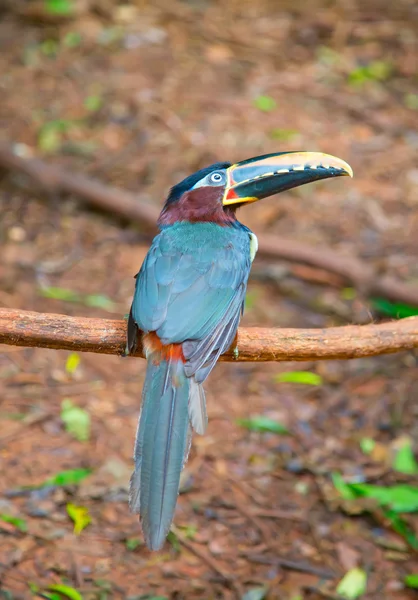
point(59, 7)
point(76, 420)
point(367, 445)
point(303, 377)
point(411, 581)
point(80, 517)
point(257, 593)
point(399, 498)
point(353, 584)
point(404, 461)
point(93, 103)
point(262, 424)
point(72, 362)
point(16, 521)
point(265, 103)
point(66, 591)
point(69, 477)
point(411, 101)
point(284, 135)
point(396, 310)
point(93, 300)
point(50, 135)
point(376, 70)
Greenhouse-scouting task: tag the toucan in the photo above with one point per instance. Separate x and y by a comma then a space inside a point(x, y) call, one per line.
point(187, 304)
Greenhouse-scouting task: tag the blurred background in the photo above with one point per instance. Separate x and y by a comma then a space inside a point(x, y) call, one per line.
point(138, 95)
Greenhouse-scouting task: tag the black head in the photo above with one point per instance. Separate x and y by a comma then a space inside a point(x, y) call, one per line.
point(187, 184)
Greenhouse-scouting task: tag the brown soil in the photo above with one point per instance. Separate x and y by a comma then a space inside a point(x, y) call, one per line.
point(145, 93)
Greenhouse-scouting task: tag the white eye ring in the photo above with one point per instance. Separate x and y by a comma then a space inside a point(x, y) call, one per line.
point(216, 177)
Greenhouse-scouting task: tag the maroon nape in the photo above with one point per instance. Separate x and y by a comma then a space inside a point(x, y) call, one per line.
point(201, 205)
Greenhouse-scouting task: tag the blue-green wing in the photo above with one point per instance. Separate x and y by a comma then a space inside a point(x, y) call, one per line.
point(194, 296)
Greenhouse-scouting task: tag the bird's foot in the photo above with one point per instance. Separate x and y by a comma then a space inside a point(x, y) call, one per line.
point(235, 352)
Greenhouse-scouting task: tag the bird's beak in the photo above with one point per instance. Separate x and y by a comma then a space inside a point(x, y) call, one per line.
point(256, 178)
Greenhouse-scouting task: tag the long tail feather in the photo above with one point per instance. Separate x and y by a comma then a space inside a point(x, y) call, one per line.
point(161, 448)
point(197, 407)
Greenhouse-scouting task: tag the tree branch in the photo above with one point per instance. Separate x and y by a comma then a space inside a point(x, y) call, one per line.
point(104, 336)
point(127, 205)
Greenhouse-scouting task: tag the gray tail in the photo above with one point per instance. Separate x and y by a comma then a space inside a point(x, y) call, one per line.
point(161, 448)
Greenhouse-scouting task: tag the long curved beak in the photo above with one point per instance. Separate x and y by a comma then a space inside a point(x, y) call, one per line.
point(256, 178)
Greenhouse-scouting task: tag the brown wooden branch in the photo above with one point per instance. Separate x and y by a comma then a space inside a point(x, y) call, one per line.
point(104, 336)
point(126, 205)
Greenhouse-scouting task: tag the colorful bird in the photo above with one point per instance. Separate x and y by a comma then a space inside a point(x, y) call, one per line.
point(188, 301)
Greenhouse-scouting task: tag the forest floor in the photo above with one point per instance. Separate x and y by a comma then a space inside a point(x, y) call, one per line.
point(139, 95)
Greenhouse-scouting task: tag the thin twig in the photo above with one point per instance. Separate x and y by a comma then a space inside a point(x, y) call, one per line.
point(293, 565)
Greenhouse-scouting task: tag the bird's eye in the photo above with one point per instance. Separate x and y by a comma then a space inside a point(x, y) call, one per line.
point(216, 177)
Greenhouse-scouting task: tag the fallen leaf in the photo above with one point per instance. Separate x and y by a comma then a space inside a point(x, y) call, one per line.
point(66, 590)
point(411, 581)
point(80, 516)
point(262, 424)
point(353, 584)
point(404, 461)
point(257, 593)
point(70, 477)
point(72, 362)
point(304, 377)
point(76, 420)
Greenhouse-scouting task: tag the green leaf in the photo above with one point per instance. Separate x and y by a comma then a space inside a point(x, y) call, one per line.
point(343, 488)
point(304, 377)
point(70, 477)
point(411, 101)
point(405, 461)
point(57, 293)
point(49, 140)
point(16, 521)
point(396, 310)
point(399, 498)
point(72, 362)
point(411, 580)
point(257, 593)
point(72, 39)
point(353, 584)
point(66, 590)
point(348, 293)
point(59, 7)
point(189, 531)
point(50, 135)
point(99, 301)
point(80, 517)
point(262, 424)
point(76, 420)
point(93, 103)
point(376, 70)
point(283, 135)
point(265, 103)
point(133, 543)
point(174, 541)
point(49, 48)
point(367, 445)
point(328, 56)
point(93, 300)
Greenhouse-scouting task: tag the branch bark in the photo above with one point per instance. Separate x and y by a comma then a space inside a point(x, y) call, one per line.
point(126, 205)
point(105, 336)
